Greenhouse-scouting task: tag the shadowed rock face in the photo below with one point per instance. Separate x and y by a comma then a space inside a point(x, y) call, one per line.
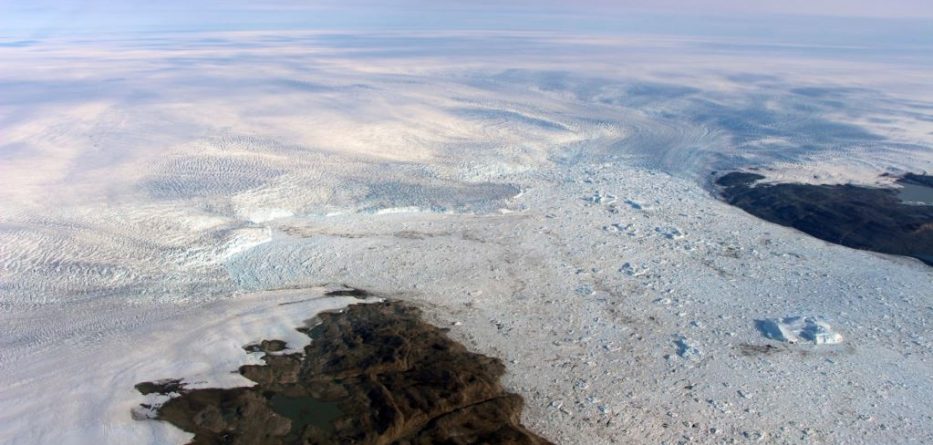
point(859, 217)
point(374, 374)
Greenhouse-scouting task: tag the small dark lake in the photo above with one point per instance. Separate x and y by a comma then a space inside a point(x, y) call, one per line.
point(306, 411)
point(916, 194)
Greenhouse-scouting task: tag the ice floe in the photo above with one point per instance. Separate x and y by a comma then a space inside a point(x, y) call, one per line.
point(815, 330)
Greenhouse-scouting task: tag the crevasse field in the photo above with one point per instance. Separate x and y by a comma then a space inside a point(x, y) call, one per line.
point(548, 197)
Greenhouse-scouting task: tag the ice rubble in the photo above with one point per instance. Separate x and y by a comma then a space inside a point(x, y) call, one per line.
point(686, 349)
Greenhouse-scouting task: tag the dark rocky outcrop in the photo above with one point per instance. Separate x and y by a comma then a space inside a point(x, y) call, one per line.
point(859, 217)
point(373, 374)
point(912, 178)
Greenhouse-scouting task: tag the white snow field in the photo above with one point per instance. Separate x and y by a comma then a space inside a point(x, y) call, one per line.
point(545, 197)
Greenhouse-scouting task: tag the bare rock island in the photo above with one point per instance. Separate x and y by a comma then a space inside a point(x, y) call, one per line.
point(867, 218)
point(373, 374)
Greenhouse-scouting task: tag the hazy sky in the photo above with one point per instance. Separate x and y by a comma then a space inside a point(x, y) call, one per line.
point(40, 18)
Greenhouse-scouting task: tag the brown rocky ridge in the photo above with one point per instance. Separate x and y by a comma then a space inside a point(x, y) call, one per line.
point(373, 374)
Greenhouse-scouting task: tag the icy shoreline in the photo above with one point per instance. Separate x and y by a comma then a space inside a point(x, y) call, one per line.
point(374, 373)
point(80, 394)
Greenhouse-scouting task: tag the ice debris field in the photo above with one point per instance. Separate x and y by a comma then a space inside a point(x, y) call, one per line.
point(163, 198)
